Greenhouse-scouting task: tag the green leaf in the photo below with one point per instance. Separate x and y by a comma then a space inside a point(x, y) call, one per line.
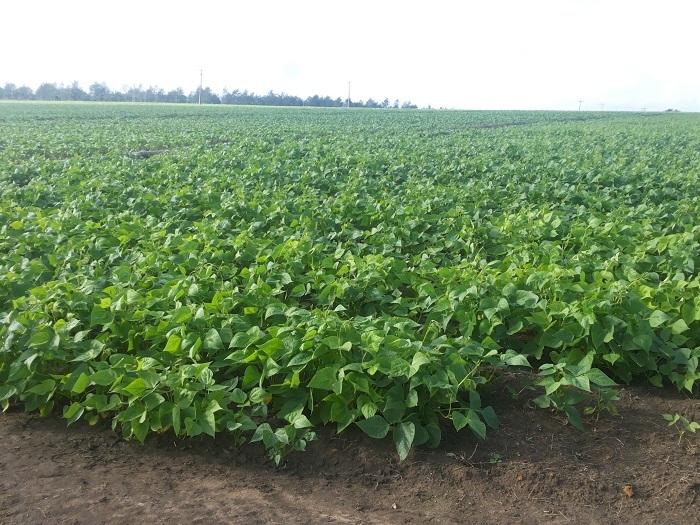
point(47, 386)
point(81, 383)
point(327, 379)
point(73, 412)
point(376, 426)
point(136, 387)
point(434, 434)
point(301, 359)
point(599, 378)
point(412, 399)
point(367, 407)
point(100, 316)
point(679, 327)
point(243, 340)
point(395, 406)
point(657, 318)
point(41, 338)
point(272, 347)
point(403, 438)
point(208, 421)
point(182, 315)
point(573, 416)
point(526, 299)
point(176, 417)
point(489, 415)
point(140, 429)
point(459, 420)
point(476, 424)
point(265, 434)
point(512, 358)
point(94, 348)
point(173, 344)
point(7, 391)
point(419, 359)
point(643, 340)
point(212, 341)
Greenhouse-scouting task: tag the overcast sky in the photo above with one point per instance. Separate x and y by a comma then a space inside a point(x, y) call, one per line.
point(496, 54)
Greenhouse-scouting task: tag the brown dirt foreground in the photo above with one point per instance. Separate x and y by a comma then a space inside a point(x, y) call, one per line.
point(624, 469)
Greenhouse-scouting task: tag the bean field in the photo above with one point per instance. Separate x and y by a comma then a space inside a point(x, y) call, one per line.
point(265, 272)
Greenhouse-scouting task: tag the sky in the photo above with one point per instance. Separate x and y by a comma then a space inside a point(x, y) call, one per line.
point(616, 55)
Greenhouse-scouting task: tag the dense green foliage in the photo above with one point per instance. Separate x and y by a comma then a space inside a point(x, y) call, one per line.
point(280, 269)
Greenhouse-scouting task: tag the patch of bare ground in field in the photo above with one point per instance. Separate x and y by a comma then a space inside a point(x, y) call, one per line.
point(627, 469)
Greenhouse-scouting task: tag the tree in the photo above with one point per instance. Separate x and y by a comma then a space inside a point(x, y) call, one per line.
point(155, 94)
point(208, 96)
point(99, 91)
point(176, 95)
point(9, 91)
point(47, 92)
point(136, 94)
point(24, 93)
point(75, 92)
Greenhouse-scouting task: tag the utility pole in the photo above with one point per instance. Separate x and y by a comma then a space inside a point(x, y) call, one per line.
point(579, 104)
point(201, 74)
point(601, 107)
point(348, 94)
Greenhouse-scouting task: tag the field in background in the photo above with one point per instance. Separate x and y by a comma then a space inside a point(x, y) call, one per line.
point(271, 271)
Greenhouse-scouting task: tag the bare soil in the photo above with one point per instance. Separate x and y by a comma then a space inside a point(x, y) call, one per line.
point(626, 469)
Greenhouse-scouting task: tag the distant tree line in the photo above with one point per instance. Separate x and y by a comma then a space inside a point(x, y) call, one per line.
point(99, 91)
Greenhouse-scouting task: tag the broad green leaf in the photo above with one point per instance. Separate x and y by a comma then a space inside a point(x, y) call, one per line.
point(173, 344)
point(207, 422)
point(512, 358)
point(327, 379)
point(212, 341)
point(419, 359)
point(599, 378)
point(94, 348)
point(47, 386)
point(395, 405)
point(73, 412)
point(404, 435)
point(657, 318)
point(679, 327)
point(41, 338)
point(489, 415)
point(140, 429)
point(375, 426)
point(573, 416)
point(459, 420)
point(81, 384)
point(476, 424)
point(101, 316)
point(136, 388)
point(526, 299)
point(182, 315)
